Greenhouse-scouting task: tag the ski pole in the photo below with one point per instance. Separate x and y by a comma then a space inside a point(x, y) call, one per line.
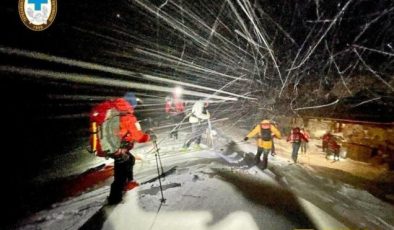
point(158, 155)
point(180, 123)
point(162, 200)
point(159, 177)
point(210, 132)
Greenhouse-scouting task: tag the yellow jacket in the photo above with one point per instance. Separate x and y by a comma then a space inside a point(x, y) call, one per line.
point(257, 130)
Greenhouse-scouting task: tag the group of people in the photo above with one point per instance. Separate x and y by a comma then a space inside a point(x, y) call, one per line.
point(115, 129)
point(198, 117)
point(129, 132)
point(266, 131)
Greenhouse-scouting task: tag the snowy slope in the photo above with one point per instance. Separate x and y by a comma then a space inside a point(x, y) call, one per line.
point(220, 189)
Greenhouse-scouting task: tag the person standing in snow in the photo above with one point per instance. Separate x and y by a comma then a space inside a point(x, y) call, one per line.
point(304, 144)
point(333, 148)
point(325, 139)
point(175, 110)
point(296, 137)
point(128, 131)
point(198, 118)
point(265, 132)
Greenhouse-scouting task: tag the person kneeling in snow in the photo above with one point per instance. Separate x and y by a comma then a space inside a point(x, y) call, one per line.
point(266, 132)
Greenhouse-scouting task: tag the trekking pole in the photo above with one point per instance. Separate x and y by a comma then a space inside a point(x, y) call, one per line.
point(210, 131)
point(162, 200)
point(180, 123)
point(158, 156)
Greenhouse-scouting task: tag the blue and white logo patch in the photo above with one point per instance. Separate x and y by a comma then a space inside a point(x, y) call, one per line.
point(37, 15)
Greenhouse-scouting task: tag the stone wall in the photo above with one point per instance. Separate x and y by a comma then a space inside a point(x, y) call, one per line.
point(370, 141)
point(363, 142)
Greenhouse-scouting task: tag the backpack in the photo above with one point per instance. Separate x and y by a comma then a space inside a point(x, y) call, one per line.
point(265, 132)
point(296, 135)
point(104, 129)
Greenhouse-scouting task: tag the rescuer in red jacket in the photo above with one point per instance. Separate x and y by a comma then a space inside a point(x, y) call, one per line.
point(325, 139)
point(295, 138)
point(175, 110)
point(130, 132)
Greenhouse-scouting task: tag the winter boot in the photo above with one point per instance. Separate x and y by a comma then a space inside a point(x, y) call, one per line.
point(197, 147)
point(184, 149)
point(114, 200)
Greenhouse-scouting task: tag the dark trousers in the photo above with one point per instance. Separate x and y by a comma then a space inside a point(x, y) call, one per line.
point(265, 153)
point(303, 146)
point(123, 172)
point(336, 155)
point(324, 146)
point(294, 154)
point(273, 147)
point(197, 131)
point(176, 120)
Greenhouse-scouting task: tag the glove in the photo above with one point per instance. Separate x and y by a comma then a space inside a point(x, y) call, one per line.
point(246, 138)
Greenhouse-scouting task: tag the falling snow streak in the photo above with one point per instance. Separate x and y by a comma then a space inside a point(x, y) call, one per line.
point(271, 58)
point(108, 69)
point(96, 80)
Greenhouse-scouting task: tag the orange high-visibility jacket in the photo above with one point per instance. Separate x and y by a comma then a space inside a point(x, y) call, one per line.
point(129, 127)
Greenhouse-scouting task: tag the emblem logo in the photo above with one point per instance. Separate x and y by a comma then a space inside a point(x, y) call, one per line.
point(37, 15)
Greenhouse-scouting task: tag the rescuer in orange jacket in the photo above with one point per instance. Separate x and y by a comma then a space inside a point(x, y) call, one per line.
point(129, 132)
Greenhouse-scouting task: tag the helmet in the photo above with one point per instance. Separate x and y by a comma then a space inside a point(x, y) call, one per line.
point(130, 98)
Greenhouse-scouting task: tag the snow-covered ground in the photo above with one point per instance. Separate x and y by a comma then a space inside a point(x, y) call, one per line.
point(220, 188)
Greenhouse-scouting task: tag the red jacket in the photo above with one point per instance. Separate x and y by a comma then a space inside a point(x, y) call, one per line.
point(333, 146)
point(306, 135)
point(296, 136)
point(326, 137)
point(175, 108)
point(129, 127)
